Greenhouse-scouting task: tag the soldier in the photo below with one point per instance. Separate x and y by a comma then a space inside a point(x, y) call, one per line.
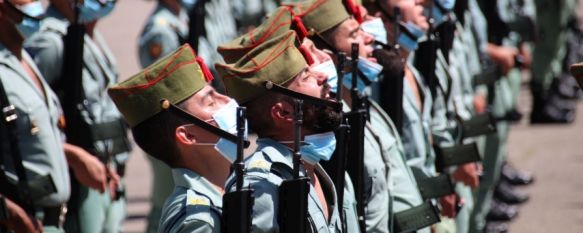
point(199, 159)
point(339, 28)
point(34, 180)
point(166, 29)
point(549, 52)
point(270, 115)
point(97, 206)
point(280, 21)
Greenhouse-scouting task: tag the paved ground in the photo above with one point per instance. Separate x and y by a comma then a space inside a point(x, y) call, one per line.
point(551, 152)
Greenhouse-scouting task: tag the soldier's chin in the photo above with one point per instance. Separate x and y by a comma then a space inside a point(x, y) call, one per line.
point(322, 119)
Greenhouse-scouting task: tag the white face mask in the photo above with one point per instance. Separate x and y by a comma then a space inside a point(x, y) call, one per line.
point(376, 27)
point(318, 147)
point(329, 69)
point(226, 118)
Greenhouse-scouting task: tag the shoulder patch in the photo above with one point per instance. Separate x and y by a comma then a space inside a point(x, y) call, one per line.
point(193, 199)
point(160, 21)
point(259, 164)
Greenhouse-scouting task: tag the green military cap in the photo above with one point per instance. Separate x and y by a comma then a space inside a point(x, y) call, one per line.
point(175, 77)
point(321, 15)
point(277, 60)
point(577, 72)
point(279, 22)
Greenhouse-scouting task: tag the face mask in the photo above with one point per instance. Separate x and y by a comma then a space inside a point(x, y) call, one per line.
point(370, 70)
point(446, 4)
point(376, 28)
point(188, 4)
point(92, 10)
point(409, 39)
point(29, 25)
point(226, 118)
point(318, 147)
point(329, 69)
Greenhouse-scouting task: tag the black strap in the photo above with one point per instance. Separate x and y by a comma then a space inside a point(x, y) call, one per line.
point(8, 129)
point(196, 23)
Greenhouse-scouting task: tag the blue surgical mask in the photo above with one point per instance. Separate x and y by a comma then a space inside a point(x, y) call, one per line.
point(188, 4)
point(438, 14)
point(370, 70)
point(29, 26)
point(446, 4)
point(226, 118)
point(409, 39)
point(329, 69)
point(318, 147)
point(92, 10)
point(376, 28)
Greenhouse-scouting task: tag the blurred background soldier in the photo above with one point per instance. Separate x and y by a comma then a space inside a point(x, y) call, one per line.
point(97, 201)
point(34, 180)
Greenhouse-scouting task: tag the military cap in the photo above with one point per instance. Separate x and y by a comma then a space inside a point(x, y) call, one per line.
point(277, 60)
point(323, 15)
point(175, 77)
point(279, 22)
point(577, 72)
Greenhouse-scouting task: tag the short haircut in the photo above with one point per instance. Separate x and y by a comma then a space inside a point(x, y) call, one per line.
point(156, 136)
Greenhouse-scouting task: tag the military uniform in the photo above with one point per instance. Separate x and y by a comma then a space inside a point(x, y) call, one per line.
point(278, 60)
point(40, 140)
point(163, 33)
point(195, 205)
point(416, 126)
point(94, 211)
point(265, 185)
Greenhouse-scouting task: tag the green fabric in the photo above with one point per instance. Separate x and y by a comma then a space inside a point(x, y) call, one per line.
point(277, 23)
point(42, 151)
point(162, 187)
point(321, 15)
point(277, 60)
point(174, 77)
point(96, 213)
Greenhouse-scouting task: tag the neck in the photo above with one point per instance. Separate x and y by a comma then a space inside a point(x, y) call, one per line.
point(11, 39)
point(172, 5)
point(209, 165)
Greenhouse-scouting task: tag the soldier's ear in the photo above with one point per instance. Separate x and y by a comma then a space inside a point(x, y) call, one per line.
point(281, 111)
point(184, 136)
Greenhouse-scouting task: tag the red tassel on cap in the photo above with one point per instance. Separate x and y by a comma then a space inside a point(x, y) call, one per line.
point(299, 28)
point(354, 10)
point(307, 54)
point(208, 76)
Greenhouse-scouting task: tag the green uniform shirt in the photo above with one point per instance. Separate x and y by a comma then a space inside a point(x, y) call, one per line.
point(99, 72)
point(164, 29)
point(416, 126)
point(266, 192)
point(194, 206)
point(40, 140)
point(376, 173)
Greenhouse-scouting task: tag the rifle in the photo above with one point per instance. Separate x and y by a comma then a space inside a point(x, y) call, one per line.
point(336, 166)
point(427, 55)
point(392, 83)
point(196, 27)
point(357, 119)
point(237, 205)
point(293, 192)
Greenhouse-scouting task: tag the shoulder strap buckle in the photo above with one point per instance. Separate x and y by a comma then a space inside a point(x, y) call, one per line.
point(9, 113)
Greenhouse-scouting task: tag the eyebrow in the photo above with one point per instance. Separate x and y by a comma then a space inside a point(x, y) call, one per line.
point(206, 96)
point(354, 31)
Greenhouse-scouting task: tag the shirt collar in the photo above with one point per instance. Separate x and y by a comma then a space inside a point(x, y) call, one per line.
point(191, 180)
